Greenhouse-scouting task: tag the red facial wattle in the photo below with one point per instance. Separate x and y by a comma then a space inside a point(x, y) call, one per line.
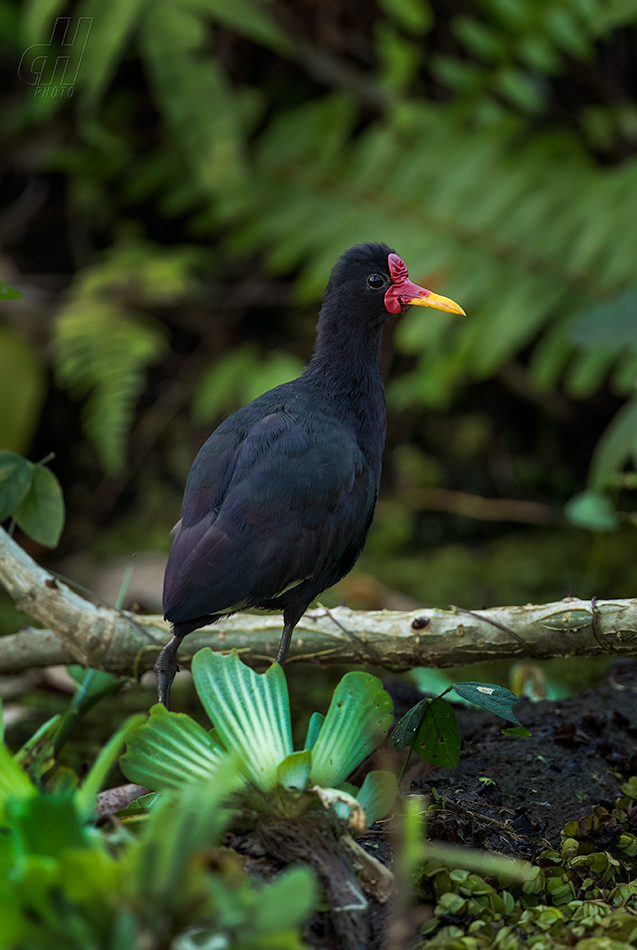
point(403, 291)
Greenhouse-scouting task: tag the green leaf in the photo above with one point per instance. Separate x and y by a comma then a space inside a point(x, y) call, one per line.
point(184, 81)
point(408, 725)
point(239, 377)
point(41, 512)
point(438, 738)
point(275, 368)
point(357, 721)
point(432, 681)
point(14, 784)
point(111, 27)
point(8, 293)
point(481, 40)
point(37, 755)
point(313, 729)
point(48, 826)
point(140, 806)
point(377, 794)
point(414, 15)
point(516, 86)
point(86, 794)
point(218, 386)
point(173, 833)
point(592, 509)
point(612, 323)
point(250, 19)
point(249, 710)
point(497, 699)
point(90, 682)
point(285, 903)
point(102, 354)
point(16, 473)
point(169, 751)
point(516, 731)
point(294, 770)
point(617, 445)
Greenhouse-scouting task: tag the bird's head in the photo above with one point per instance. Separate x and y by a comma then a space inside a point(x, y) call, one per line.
point(402, 291)
point(374, 275)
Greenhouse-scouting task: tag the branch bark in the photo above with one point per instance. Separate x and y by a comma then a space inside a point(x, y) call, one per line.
point(77, 631)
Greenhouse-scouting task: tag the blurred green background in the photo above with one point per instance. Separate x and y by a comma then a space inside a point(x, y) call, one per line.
point(177, 179)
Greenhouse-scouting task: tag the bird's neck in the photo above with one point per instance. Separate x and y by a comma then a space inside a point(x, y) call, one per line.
point(344, 373)
point(347, 358)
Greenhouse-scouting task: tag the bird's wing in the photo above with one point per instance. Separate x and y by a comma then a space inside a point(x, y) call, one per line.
point(281, 503)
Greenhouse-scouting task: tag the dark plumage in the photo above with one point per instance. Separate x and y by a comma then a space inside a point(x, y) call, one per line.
point(280, 499)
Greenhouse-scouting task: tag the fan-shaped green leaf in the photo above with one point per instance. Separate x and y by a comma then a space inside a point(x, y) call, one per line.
point(169, 751)
point(250, 711)
point(357, 721)
point(294, 770)
point(314, 727)
point(377, 794)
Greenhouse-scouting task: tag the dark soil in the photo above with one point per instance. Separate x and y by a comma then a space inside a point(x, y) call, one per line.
point(580, 752)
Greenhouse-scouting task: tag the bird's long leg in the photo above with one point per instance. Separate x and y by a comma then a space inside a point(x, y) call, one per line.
point(284, 645)
point(166, 668)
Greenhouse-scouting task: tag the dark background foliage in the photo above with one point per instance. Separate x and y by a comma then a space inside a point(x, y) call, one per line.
point(172, 199)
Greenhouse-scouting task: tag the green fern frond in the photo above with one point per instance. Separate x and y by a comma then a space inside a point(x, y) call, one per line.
point(239, 377)
point(102, 353)
point(523, 236)
point(104, 343)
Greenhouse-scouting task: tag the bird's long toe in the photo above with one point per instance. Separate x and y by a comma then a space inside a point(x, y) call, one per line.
point(166, 669)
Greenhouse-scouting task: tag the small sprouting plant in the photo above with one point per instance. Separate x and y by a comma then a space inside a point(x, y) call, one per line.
point(430, 728)
point(31, 496)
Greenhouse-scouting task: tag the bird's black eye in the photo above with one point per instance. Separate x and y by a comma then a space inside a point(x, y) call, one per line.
point(375, 281)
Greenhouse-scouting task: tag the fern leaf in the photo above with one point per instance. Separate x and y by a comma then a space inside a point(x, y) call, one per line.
point(102, 353)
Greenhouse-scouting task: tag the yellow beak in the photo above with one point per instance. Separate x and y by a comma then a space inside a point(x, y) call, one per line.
point(438, 302)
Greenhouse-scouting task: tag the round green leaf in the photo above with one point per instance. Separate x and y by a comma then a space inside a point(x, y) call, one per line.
point(593, 510)
point(41, 513)
point(16, 473)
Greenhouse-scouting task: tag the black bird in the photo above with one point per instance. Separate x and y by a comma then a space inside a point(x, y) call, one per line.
point(280, 499)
